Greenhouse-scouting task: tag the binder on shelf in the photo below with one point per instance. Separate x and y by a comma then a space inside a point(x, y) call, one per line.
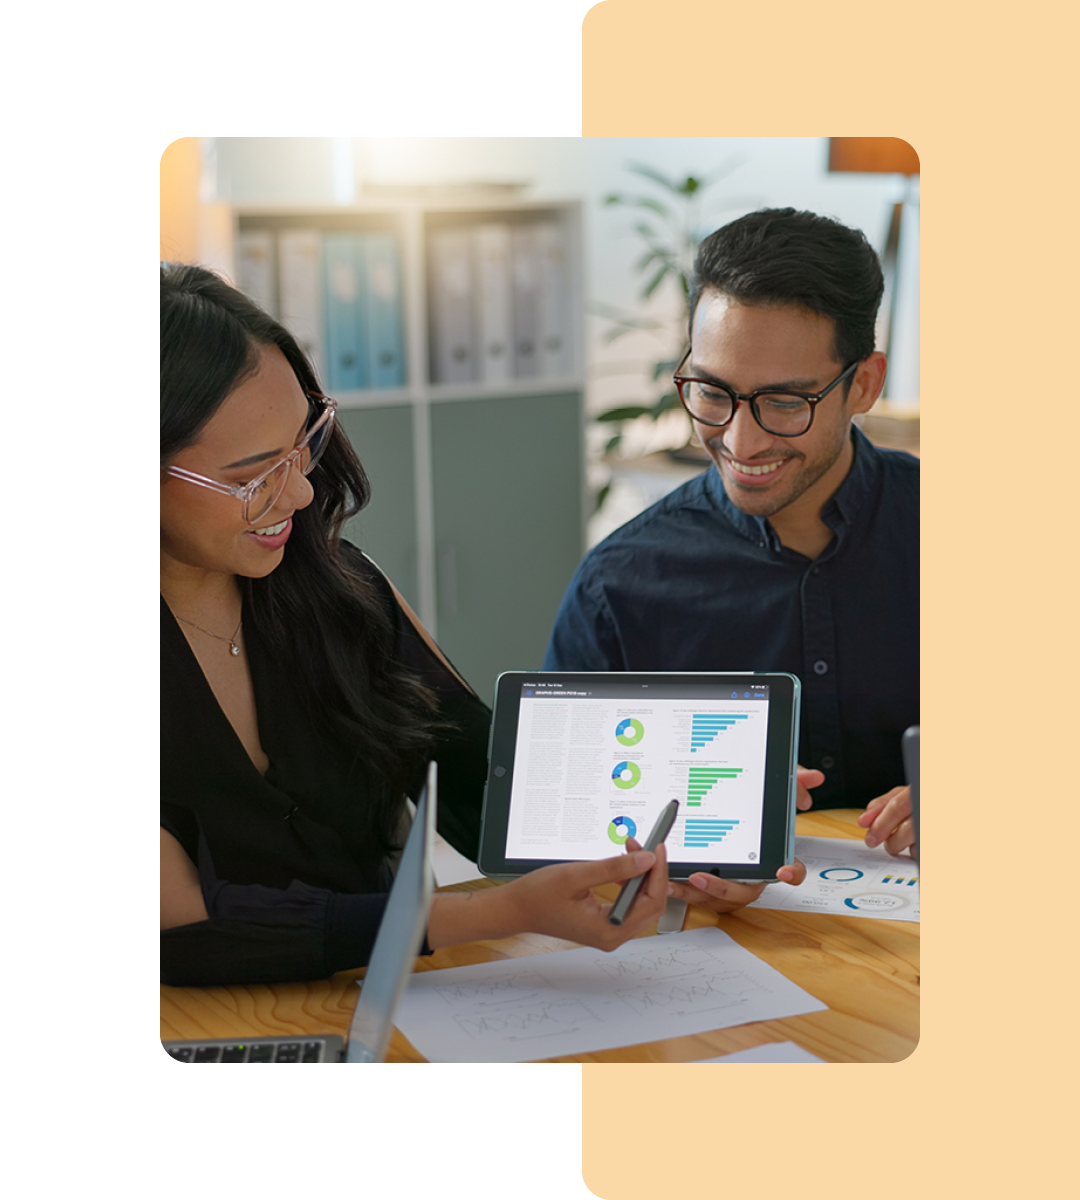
point(494, 303)
point(255, 268)
point(555, 347)
point(300, 293)
point(453, 335)
point(345, 293)
point(525, 273)
point(385, 331)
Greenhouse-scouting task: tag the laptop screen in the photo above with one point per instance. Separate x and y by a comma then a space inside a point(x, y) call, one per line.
point(399, 938)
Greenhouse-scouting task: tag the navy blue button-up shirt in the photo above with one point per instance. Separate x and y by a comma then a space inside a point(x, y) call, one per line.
point(694, 584)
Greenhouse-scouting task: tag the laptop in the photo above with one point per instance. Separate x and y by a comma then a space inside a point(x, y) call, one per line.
point(911, 770)
point(392, 960)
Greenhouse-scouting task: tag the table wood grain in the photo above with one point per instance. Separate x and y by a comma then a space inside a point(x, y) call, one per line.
point(865, 970)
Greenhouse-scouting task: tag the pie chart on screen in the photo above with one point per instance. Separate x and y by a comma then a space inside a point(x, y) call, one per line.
point(620, 829)
point(626, 775)
point(629, 732)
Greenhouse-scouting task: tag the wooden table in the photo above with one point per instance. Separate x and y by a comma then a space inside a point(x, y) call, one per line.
point(866, 971)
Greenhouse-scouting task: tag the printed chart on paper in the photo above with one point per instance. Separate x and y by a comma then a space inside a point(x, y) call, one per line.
point(847, 878)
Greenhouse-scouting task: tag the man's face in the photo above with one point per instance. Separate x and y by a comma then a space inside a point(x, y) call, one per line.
point(747, 347)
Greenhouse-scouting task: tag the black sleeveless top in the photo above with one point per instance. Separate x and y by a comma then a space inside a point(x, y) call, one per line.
point(293, 886)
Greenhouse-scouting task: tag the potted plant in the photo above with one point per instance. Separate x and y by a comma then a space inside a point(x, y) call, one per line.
point(670, 228)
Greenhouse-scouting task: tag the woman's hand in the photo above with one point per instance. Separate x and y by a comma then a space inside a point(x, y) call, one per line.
point(559, 900)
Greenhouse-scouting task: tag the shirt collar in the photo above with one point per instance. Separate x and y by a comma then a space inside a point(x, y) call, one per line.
point(841, 510)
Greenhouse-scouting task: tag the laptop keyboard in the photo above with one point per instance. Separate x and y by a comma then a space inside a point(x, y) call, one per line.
point(324, 1048)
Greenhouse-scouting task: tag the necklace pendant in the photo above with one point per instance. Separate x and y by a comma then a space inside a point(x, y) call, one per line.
point(234, 649)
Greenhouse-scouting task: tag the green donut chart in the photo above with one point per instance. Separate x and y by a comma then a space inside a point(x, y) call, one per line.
point(629, 732)
point(620, 829)
point(626, 775)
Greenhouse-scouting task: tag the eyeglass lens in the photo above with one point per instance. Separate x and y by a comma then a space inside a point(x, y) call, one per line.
point(782, 414)
point(263, 499)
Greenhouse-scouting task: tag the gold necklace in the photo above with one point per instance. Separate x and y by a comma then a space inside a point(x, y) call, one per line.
point(233, 647)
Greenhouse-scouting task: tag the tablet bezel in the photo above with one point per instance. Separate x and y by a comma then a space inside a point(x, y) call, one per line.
point(778, 815)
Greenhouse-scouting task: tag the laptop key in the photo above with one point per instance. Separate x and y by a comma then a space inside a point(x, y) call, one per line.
point(233, 1053)
point(288, 1052)
point(207, 1054)
point(181, 1053)
point(261, 1054)
point(312, 1051)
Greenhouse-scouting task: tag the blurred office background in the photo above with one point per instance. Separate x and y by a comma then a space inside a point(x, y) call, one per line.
point(475, 304)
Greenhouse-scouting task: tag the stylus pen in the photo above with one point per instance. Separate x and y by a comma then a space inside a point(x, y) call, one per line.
point(631, 887)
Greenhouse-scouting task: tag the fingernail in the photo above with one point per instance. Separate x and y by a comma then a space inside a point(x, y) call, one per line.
point(698, 881)
point(644, 858)
point(871, 841)
point(670, 890)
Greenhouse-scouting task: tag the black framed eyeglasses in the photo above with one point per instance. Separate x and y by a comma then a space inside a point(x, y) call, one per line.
point(781, 413)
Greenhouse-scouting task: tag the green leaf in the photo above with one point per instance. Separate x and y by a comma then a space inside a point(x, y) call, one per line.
point(690, 185)
point(654, 175)
point(666, 403)
point(648, 260)
point(602, 494)
point(655, 282)
point(625, 413)
point(666, 367)
point(648, 202)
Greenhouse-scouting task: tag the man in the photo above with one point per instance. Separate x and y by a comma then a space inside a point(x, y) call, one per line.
point(799, 549)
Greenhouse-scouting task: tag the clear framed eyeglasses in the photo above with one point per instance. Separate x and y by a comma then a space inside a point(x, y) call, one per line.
point(261, 494)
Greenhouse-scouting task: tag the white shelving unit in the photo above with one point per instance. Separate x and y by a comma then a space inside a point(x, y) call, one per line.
point(479, 503)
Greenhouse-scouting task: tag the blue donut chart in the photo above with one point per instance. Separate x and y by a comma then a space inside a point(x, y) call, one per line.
point(620, 829)
point(632, 769)
point(629, 732)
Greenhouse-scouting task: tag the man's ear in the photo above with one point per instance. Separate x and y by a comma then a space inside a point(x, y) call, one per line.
point(867, 382)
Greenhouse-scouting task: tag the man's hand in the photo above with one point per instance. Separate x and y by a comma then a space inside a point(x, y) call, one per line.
point(888, 820)
point(805, 779)
point(726, 895)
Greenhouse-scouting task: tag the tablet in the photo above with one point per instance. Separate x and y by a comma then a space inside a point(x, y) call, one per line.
point(577, 763)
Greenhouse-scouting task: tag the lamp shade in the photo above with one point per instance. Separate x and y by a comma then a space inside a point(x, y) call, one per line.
point(891, 155)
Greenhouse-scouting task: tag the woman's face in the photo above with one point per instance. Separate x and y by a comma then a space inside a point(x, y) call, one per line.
point(259, 423)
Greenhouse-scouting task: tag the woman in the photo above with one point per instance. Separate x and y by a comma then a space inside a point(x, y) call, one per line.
point(301, 699)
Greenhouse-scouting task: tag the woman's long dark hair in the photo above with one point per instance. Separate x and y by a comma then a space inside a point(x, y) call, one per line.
point(323, 621)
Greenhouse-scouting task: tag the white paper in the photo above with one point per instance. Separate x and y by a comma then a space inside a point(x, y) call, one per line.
point(849, 879)
point(450, 866)
point(578, 1001)
point(770, 1052)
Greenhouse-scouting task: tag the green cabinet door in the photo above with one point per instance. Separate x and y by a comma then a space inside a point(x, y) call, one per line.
point(386, 529)
point(507, 479)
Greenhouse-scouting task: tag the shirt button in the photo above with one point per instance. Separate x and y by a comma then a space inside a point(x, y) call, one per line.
point(827, 762)
point(820, 667)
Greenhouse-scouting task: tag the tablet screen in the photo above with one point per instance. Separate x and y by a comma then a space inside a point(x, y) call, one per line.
point(596, 759)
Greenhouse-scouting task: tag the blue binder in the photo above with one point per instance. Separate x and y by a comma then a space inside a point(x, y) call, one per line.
point(385, 333)
point(344, 278)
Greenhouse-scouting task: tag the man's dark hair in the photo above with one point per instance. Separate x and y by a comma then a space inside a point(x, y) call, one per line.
point(780, 256)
